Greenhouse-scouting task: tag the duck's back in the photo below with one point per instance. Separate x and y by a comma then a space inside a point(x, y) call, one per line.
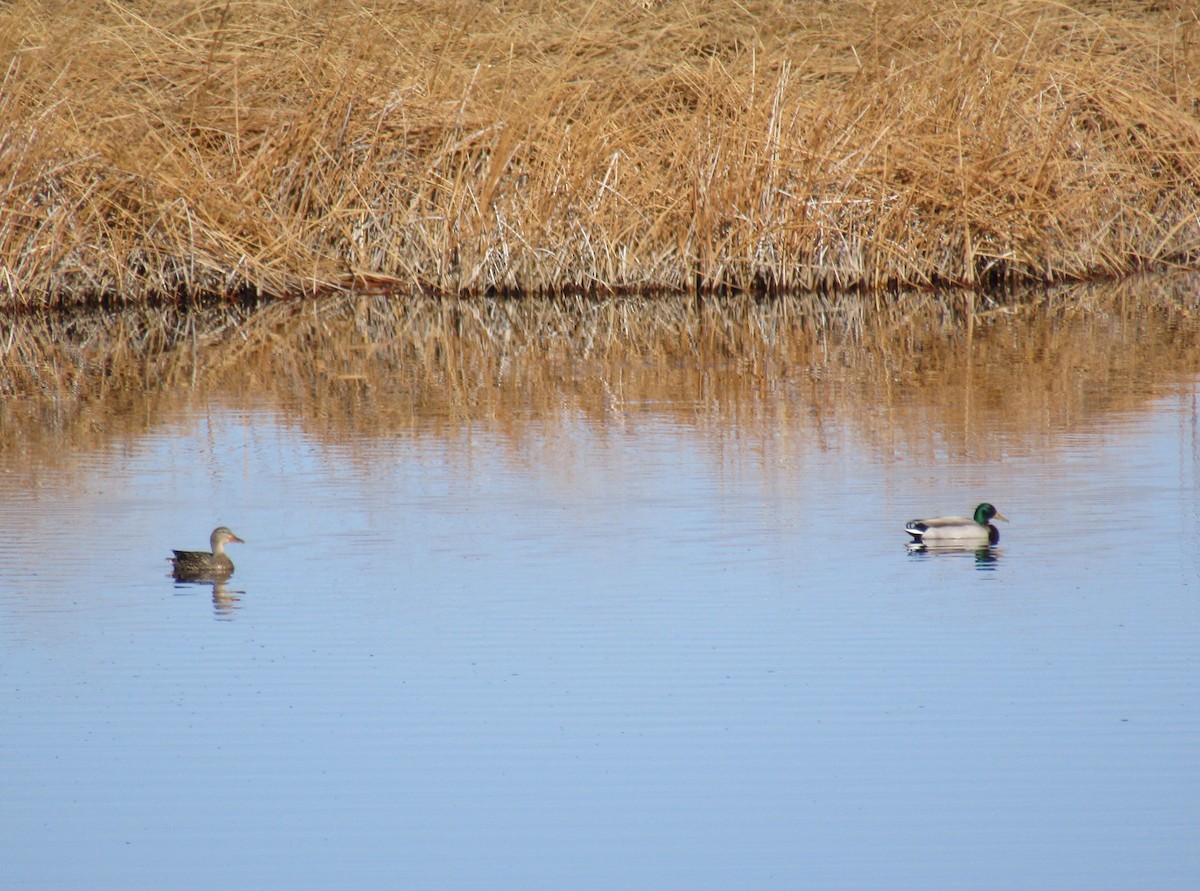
point(201, 562)
point(950, 529)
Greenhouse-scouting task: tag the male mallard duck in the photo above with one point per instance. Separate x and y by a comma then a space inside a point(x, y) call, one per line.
point(958, 530)
point(203, 565)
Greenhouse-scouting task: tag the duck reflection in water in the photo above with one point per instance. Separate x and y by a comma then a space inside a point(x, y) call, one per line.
point(226, 602)
point(986, 556)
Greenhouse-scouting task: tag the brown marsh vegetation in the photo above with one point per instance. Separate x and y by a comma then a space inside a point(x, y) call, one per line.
point(907, 374)
point(170, 149)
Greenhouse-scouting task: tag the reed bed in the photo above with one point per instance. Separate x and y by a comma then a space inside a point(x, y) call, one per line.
point(170, 150)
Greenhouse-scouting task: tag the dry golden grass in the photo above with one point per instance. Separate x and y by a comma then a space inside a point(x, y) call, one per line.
point(175, 149)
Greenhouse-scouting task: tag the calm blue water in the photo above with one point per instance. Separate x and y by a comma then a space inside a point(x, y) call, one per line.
point(632, 653)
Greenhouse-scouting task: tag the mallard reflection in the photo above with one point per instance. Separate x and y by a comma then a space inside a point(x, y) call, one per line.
point(986, 556)
point(226, 601)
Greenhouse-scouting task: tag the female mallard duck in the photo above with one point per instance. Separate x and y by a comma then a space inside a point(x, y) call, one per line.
point(203, 565)
point(958, 530)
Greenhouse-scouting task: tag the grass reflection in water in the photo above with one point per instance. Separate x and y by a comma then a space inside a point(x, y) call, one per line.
point(916, 375)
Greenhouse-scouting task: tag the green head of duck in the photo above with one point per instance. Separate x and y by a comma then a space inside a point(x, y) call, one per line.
point(985, 513)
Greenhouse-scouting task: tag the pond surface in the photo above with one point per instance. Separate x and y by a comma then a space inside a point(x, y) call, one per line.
point(628, 644)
